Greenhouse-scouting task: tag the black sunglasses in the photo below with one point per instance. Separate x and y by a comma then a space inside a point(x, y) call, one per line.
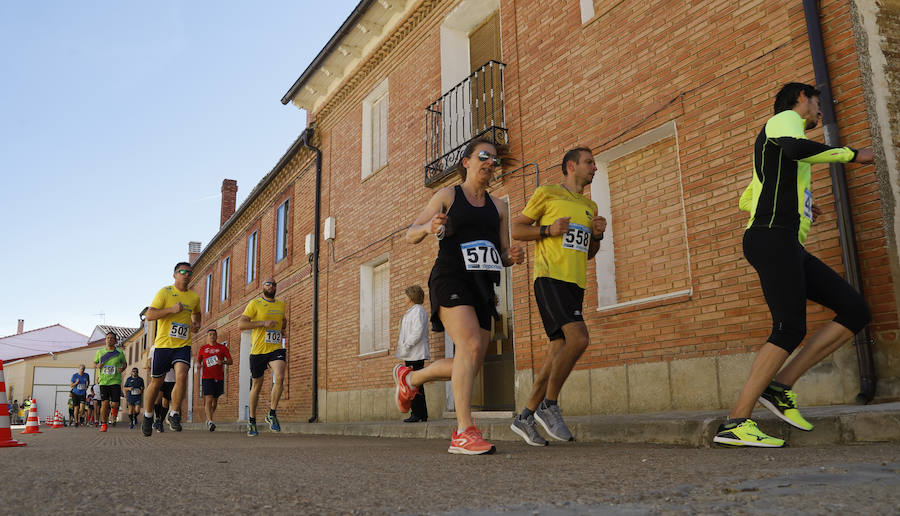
point(485, 155)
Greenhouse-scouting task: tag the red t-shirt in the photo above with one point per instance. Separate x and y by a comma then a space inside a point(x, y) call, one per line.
point(212, 358)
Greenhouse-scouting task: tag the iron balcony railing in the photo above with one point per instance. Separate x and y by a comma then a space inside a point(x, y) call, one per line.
point(472, 109)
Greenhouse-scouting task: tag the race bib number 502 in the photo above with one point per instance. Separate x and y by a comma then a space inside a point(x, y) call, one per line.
point(481, 255)
point(179, 331)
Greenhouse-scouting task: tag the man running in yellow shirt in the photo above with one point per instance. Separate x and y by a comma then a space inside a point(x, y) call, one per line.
point(176, 311)
point(568, 234)
point(265, 316)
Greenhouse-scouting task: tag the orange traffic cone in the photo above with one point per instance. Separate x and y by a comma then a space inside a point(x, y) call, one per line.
point(6, 440)
point(33, 424)
point(57, 420)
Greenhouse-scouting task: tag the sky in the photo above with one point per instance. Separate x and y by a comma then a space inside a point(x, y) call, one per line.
point(118, 123)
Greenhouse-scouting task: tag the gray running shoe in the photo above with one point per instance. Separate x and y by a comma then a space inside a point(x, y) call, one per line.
point(550, 417)
point(527, 430)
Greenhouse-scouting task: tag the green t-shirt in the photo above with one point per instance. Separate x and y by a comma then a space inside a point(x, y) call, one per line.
point(111, 363)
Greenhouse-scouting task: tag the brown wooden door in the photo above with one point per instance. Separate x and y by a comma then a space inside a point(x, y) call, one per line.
point(484, 46)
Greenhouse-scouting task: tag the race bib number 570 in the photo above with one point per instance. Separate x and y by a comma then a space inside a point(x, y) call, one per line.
point(481, 255)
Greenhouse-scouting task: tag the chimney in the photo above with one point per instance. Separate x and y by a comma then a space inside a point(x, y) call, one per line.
point(21, 326)
point(229, 198)
point(193, 251)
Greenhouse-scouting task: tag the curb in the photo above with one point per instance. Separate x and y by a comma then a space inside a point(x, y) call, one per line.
point(834, 425)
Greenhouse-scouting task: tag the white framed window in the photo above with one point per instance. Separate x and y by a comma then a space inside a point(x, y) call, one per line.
point(226, 278)
point(251, 256)
point(587, 10)
point(208, 298)
point(374, 305)
point(375, 129)
point(644, 256)
point(281, 231)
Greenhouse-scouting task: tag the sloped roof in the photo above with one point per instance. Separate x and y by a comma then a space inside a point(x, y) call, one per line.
point(40, 341)
point(121, 332)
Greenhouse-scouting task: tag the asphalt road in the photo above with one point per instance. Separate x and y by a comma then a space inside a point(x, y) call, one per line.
point(84, 471)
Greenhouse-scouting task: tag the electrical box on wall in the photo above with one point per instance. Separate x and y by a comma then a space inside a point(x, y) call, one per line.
point(309, 244)
point(329, 228)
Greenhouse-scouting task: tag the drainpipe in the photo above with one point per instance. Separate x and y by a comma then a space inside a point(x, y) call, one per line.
point(306, 137)
point(863, 340)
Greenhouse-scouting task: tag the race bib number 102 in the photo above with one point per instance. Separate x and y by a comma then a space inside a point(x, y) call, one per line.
point(273, 337)
point(481, 255)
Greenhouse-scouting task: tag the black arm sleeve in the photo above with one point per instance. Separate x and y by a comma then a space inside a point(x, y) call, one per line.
point(797, 148)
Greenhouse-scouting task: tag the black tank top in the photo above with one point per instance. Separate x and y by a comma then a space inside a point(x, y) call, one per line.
point(467, 224)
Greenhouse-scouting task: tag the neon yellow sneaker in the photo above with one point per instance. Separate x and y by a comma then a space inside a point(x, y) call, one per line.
point(745, 433)
point(783, 403)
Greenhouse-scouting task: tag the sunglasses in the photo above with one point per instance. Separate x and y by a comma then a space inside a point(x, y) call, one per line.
point(185, 272)
point(270, 283)
point(485, 155)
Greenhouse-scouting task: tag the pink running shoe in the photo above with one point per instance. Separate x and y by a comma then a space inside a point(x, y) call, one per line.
point(470, 442)
point(405, 393)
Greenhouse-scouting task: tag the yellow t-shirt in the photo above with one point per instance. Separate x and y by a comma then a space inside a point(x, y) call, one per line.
point(265, 340)
point(174, 331)
point(562, 257)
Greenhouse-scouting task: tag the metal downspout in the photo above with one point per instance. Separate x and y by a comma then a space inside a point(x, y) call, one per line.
point(863, 340)
point(306, 137)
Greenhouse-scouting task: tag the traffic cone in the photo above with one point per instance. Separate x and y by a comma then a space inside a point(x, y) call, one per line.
point(33, 424)
point(57, 420)
point(6, 440)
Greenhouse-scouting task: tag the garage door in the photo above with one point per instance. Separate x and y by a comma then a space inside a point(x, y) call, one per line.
point(51, 388)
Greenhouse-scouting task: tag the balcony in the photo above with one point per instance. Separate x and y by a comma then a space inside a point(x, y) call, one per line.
point(472, 109)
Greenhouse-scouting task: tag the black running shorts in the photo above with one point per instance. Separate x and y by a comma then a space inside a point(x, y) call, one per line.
point(166, 390)
point(259, 363)
point(449, 291)
point(789, 275)
point(212, 387)
point(559, 302)
point(165, 358)
point(111, 393)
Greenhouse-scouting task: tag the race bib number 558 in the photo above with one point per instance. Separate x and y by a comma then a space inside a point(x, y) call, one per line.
point(481, 255)
point(578, 238)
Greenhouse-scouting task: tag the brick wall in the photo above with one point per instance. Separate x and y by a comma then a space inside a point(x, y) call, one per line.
point(647, 220)
point(710, 67)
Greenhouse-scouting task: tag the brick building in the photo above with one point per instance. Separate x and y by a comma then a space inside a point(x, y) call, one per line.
point(670, 95)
